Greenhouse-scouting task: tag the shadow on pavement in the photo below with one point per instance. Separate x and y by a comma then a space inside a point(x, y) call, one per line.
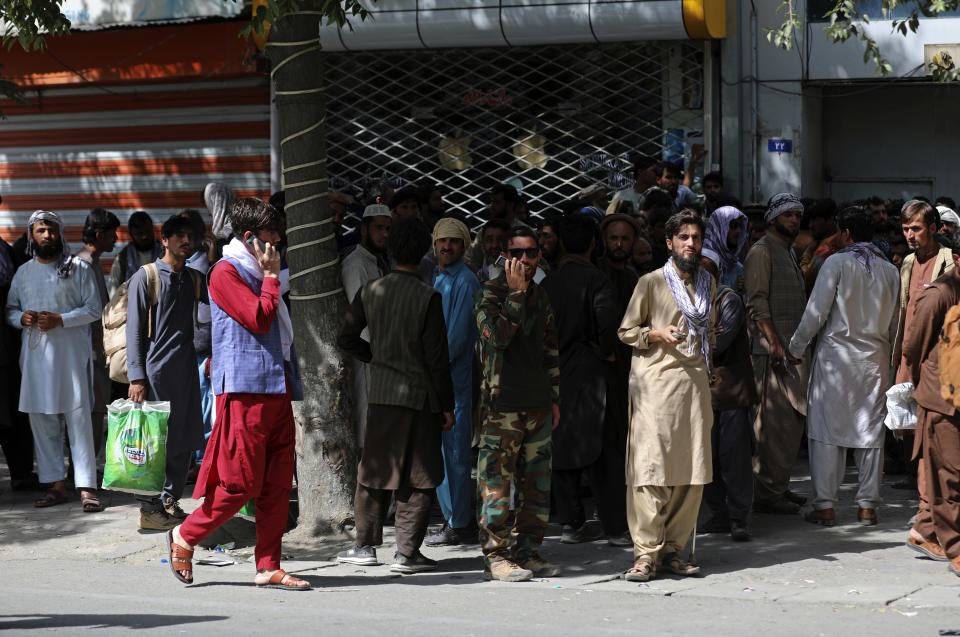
point(132, 621)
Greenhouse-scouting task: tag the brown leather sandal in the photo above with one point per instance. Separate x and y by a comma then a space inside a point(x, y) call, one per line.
point(643, 570)
point(283, 580)
point(53, 497)
point(90, 502)
point(676, 565)
point(180, 559)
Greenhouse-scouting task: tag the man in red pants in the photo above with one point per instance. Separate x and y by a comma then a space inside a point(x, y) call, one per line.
point(254, 376)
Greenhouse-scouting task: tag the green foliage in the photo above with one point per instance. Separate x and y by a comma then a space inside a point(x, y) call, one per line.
point(337, 12)
point(27, 21)
point(846, 21)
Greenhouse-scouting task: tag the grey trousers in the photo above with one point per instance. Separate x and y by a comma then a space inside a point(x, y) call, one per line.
point(827, 466)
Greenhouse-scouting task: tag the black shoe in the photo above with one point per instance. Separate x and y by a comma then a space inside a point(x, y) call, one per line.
point(449, 536)
point(30, 483)
point(586, 532)
point(739, 532)
point(796, 498)
point(409, 565)
point(715, 525)
point(779, 506)
point(359, 556)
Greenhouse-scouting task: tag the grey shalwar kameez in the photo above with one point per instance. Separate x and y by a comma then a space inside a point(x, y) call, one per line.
point(167, 361)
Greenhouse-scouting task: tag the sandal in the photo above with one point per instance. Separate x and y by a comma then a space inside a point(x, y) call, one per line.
point(90, 502)
point(643, 570)
point(52, 498)
point(677, 566)
point(283, 580)
point(180, 559)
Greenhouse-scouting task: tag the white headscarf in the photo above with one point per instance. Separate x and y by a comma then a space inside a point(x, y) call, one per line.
point(65, 264)
point(237, 250)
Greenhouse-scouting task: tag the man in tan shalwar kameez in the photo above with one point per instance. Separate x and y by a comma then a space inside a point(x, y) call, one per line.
point(668, 447)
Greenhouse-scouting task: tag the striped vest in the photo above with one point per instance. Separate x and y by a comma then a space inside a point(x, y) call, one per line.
point(787, 295)
point(395, 306)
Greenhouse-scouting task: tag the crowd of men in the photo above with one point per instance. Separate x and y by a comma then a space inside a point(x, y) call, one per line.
point(662, 350)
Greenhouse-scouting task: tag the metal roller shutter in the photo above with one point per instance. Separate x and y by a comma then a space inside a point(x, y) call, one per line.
point(554, 118)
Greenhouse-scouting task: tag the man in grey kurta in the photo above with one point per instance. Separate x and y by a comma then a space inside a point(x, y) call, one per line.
point(853, 313)
point(161, 364)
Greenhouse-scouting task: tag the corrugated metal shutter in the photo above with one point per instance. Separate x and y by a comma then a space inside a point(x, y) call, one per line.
point(146, 147)
point(553, 118)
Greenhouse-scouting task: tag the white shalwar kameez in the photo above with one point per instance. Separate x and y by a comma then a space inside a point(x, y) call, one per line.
point(56, 365)
point(853, 316)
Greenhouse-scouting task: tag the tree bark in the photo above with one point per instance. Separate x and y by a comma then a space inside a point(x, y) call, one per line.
point(326, 455)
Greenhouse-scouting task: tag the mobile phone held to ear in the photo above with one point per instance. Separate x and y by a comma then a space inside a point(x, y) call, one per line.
point(501, 262)
point(253, 239)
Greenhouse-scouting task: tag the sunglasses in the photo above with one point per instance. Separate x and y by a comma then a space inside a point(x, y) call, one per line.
point(517, 253)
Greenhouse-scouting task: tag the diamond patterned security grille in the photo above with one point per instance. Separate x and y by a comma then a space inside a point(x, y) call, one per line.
point(555, 119)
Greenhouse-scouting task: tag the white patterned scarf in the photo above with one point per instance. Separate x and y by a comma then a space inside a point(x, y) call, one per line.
point(237, 250)
point(696, 313)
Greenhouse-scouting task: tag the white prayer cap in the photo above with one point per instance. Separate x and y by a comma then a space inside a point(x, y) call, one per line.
point(376, 210)
point(948, 216)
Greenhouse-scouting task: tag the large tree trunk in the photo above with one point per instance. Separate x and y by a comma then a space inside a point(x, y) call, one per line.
point(325, 437)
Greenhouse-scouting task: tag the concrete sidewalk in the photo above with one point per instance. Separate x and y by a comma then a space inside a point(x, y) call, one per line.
point(68, 570)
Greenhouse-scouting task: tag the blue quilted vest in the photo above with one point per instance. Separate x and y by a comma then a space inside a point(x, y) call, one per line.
point(244, 362)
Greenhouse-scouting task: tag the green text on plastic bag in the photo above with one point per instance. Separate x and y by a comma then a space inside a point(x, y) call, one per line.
point(136, 446)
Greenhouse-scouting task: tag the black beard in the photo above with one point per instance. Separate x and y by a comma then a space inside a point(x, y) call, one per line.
point(48, 251)
point(687, 265)
point(618, 256)
point(782, 229)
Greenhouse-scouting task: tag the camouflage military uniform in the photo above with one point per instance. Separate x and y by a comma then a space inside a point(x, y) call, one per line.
point(521, 379)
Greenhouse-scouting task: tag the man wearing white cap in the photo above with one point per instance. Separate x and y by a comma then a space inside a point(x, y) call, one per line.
point(54, 298)
point(949, 222)
point(776, 298)
point(457, 286)
point(368, 261)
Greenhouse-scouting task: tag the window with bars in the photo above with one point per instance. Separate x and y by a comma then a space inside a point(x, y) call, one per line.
point(551, 120)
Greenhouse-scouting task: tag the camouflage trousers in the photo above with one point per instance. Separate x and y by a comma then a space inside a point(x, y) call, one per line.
point(515, 447)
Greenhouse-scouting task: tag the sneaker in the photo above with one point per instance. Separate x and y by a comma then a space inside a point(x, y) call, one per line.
point(506, 571)
point(359, 556)
point(739, 532)
point(157, 521)
point(172, 507)
point(449, 536)
point(621, 539)
point(408, 565)
point(586, 532)
point(539, 566)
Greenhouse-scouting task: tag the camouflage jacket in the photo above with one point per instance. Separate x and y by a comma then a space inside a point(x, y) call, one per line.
point(518, 348)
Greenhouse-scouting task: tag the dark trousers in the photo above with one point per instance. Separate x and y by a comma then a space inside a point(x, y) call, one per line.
point(16, 440)
point(413, 513)
point(609, 492)
point(941, 451)
point(605, 476)
point(730, 494)
point(177, 465)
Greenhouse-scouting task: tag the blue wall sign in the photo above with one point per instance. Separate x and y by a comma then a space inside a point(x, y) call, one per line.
point(779, 145)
